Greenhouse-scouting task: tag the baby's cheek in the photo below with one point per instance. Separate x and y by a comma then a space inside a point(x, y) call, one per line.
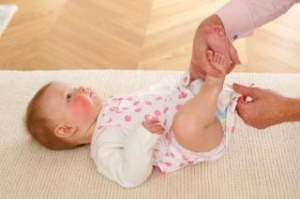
point(81, 106)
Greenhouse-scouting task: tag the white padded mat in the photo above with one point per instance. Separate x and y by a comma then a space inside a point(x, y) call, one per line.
point(257, 164)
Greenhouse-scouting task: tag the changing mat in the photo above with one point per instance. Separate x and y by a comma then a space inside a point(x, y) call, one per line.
point(257, 164)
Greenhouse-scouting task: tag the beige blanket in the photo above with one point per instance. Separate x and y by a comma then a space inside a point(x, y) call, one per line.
point(257, 164)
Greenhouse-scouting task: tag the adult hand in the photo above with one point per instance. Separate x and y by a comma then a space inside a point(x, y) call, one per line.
point(200, 65)
point(267, 107)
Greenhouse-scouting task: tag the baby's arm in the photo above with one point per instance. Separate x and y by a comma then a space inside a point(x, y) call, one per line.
point(125, 157)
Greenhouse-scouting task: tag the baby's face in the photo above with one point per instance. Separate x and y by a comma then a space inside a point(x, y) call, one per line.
point(72, 105)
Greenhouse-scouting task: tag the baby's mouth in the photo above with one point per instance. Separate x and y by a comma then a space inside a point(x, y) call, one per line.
point(93, 94)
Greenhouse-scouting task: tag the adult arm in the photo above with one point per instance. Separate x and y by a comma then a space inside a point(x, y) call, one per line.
point(267, 107)
point(241, 17)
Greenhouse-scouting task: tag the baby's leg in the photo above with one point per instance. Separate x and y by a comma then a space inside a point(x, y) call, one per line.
point(195, 125)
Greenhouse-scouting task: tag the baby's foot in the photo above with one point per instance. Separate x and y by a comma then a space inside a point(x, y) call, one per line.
point(218, 42)
point(218, 60)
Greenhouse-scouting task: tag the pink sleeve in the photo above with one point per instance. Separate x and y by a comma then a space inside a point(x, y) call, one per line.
point(241, 17)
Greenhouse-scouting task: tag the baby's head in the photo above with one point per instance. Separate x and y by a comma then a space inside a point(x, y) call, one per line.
point(61, 116)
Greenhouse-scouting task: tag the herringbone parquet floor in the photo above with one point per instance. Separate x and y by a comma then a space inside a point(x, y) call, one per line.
point(134, 34)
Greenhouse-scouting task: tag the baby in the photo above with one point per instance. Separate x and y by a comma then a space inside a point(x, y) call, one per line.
point(169, 127)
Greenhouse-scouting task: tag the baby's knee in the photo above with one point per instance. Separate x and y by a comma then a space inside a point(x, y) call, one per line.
point(195, 137)
point(185, 126)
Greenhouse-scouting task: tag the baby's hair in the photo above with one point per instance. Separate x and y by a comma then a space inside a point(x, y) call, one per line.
point(41, 127)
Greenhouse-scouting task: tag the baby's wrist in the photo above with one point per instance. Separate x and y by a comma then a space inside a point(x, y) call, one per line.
point(214, 80)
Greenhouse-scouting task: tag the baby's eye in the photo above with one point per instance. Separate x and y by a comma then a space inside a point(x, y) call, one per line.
point(69, 97)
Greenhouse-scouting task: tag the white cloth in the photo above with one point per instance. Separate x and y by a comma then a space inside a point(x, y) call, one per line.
point(116, 150)
point(124, 151)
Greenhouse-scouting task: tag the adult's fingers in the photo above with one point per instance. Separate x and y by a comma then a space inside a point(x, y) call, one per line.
point(231, 67)
point(242, 109)
point(244, 90)
point(234, 55)
point(209, 55)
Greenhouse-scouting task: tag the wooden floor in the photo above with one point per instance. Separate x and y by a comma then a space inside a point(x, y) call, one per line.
point(135, 34)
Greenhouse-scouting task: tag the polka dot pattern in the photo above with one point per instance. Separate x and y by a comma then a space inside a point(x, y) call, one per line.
point(130, 111)
point(127, 118)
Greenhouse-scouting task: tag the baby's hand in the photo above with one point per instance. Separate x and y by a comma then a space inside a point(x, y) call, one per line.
point(153, 126)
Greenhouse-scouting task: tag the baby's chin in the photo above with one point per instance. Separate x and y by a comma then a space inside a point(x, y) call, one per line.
point(99, 104)
point(97, 100)
point(95, 97)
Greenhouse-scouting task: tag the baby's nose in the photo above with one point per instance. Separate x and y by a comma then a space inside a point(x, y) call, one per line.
point(81, 89)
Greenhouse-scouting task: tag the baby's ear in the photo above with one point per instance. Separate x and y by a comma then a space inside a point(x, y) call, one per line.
point(64, 131)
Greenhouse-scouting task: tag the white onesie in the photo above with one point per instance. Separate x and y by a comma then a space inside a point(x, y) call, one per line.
point(125, 152)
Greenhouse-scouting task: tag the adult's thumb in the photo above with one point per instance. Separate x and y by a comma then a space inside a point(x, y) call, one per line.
point(234, 55)
point(244, 90)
